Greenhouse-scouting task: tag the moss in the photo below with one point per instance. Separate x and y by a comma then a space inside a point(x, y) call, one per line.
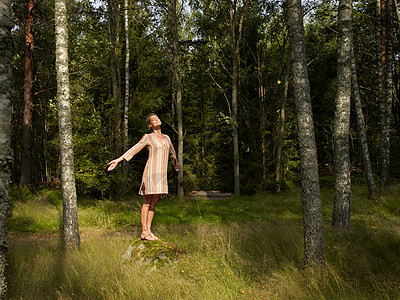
point(153, 254)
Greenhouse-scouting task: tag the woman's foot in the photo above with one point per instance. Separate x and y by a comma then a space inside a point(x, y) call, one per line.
point(153, 236)
point(147, 236)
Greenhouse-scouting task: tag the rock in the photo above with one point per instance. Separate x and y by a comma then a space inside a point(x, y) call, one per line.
point(153, 254)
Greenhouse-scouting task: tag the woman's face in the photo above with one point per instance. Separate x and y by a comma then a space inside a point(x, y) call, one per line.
point(155, 122)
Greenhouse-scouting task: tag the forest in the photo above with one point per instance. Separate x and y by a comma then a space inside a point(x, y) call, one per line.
point(105, 77)
point(260, 99)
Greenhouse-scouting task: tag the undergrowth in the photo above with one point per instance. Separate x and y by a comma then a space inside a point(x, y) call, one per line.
point(238, 248)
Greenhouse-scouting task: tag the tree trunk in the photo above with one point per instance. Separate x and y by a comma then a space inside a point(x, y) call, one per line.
point(342, 206)
point(381, 54)
point(178, 88)
point(26, 153)
point(387, 99)
point(278, 171)
point(126, 102)
point(314, 254)
point(115, 76)
point(70, 209)
point(235, 43)
point(362, 134)
point(261, 96)
point(6, 88)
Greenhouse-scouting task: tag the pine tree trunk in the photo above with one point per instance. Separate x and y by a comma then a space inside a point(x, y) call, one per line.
point(278, 171)
point(342, 205)
point(387, 99)
point(235, 42)
point(115, 75)
point(126, 102)
point(314, 254)
point(381, 53)
point(178, 88)
point(261, 96)
point(26, 153)
point(236, 172)
point(70, 209)
point(6, 88)
point(362, 134)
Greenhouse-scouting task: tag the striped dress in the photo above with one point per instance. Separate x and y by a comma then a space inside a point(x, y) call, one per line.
point(154, 180)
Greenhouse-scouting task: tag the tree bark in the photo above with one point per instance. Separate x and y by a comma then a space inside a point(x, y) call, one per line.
point(261, 96)
point(178, 89)
point(115, 76)
point(70, 209)
point(6, 88)
point(126, 102)
point(362, 134)
point(278, 171)
point(26, 153)
point(235, 43)
point(387, 99)
point(342, 205)
point(314, 254)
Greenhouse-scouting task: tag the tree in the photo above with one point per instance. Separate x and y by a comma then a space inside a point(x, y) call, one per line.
point(70, 208)
point(26, 155)
point(235, 38)
point(310, 192)
point(278, 170)
point(6, 87)
point(386, 86)
point(115, 74)
point(362, 134)
point(126, 101)
point(178, 91)
point(341, 207)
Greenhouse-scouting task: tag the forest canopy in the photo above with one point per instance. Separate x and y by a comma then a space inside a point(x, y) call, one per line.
point(97, 62)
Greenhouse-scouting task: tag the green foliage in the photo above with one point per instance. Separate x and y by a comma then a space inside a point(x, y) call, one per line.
point(206, 67)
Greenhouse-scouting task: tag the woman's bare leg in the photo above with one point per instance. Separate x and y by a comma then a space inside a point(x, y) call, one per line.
point(146, 233)
point(150, 214)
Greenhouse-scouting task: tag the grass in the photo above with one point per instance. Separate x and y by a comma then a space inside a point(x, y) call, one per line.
point(239, 248)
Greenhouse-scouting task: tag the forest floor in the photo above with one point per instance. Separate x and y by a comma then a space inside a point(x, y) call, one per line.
point(244, 247)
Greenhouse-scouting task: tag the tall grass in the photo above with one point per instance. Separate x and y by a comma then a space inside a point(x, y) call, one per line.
point(242, 248)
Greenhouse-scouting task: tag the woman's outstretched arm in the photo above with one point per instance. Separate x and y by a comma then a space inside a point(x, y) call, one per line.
point(130, 153)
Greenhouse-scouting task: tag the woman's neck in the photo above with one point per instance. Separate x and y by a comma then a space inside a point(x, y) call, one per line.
point(157, 131)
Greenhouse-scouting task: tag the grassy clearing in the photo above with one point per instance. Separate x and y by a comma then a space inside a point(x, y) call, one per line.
point(242, 248)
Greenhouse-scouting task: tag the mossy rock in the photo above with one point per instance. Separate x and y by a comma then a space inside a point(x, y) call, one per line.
point(153, 254)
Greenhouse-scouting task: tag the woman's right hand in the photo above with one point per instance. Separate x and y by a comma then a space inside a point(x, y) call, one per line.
point(112, 164)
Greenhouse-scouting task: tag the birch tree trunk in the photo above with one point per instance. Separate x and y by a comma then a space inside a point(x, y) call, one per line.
point(342, 205)
point(70, 209)
point(362, 134)
point(6, 88)
point(235, 43)
point(178, 88)
point(26, 153)
point(387, 99)
point(126, 102)
point(314, 253)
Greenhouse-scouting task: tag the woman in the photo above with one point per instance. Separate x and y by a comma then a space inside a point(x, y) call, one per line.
point(154, 180)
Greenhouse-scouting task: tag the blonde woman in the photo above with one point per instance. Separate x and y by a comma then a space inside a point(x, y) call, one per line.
point(154, 180)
